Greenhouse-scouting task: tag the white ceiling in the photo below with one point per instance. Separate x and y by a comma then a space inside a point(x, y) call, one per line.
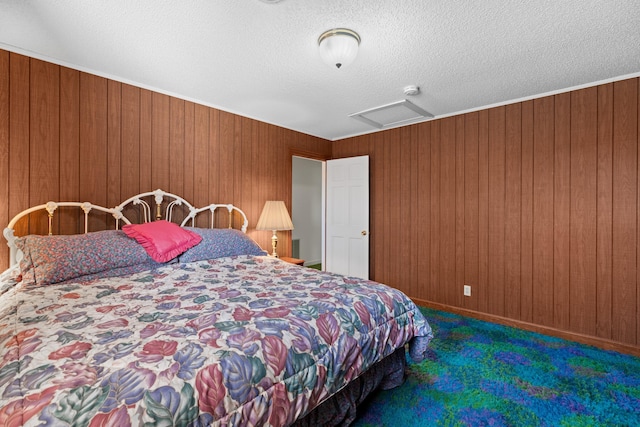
point(261, 60)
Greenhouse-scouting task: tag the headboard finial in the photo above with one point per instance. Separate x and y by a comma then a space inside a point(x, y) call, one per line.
point(51, 207)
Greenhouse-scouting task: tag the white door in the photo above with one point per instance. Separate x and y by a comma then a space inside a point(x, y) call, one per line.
point(347, 239)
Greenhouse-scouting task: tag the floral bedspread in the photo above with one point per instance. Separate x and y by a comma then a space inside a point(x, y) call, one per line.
point(234, 341)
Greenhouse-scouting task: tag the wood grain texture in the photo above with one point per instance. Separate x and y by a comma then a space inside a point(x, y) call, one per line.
point(584, 152)
point(424, 207)
point(395, 198)
point(483, 210)
point(214, 160)
point(237, 160)
point(146, 138)
point(4, 144)
point(177, 150)
point(447, 262)
point(406, 231)
point(496, 210)
point(604, 226)
point(535, 204)
point(246, 190)
point(526, 215)
point(226, 171)
point(114, 141)
point(542, 208)
point(254, 156)
point(471, 208)
point(548, 210)
point(543, 185)
point(70, 134)
point(93, 143)
point(377, 210)
point(460, 209)
point(201, 162)
point(160, 137)
point(561, 209)
point(434, 289)
point(44, 138)
point(625, 210)
point(513, 209)
point(416, 228)
point(130, 161)
point(374, 204)
point(189, 149)
point(69, 147)
point(387, 225)
point(19, 158)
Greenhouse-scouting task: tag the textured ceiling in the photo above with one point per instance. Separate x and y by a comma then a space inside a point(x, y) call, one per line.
point(261, 60)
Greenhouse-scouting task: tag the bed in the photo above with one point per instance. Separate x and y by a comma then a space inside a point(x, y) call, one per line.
point(133, 326)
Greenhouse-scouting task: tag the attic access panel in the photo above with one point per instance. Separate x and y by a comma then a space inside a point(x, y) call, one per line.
point(392, 114)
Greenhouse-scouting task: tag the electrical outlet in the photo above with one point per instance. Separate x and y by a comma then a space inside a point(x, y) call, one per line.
point(467, 290)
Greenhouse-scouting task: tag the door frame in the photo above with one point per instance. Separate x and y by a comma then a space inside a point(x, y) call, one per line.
point(323, 159)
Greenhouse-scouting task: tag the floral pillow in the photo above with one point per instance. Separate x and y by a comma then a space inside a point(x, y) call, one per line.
point(53, 259)
point(220, 243)
point(163, 240)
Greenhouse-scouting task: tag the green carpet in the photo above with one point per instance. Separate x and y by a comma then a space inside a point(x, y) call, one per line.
point(483, 374)
point(315, 266)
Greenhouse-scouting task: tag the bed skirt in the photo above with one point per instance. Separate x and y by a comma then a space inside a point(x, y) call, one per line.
point(341, 408)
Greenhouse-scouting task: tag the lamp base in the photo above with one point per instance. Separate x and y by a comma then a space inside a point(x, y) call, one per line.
point(274, 244)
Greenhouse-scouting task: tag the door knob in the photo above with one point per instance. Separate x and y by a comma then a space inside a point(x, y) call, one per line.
point(363, 232)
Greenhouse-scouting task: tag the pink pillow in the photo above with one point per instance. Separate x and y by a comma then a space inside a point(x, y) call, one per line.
point(163, 240)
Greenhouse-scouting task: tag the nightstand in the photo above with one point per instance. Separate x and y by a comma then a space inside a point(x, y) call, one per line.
point(295, 261)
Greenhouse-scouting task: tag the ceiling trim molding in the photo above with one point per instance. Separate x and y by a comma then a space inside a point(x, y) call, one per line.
point(500, 104)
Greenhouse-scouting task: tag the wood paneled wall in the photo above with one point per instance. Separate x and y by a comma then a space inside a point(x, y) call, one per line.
point(69, 135)
point(534, 204)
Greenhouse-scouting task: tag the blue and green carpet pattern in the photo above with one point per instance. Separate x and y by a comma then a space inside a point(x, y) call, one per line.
point(483, 374)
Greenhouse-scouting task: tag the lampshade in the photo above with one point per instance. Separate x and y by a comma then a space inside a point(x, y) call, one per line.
point(338, 47)
point(274, 216)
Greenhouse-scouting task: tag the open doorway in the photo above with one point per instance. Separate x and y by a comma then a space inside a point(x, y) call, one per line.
point(307, 211)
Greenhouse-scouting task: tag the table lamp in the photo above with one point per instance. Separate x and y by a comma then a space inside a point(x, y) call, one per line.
point(274, 217)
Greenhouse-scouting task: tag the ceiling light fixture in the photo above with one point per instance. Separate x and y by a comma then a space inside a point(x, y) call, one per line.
point(338, 47)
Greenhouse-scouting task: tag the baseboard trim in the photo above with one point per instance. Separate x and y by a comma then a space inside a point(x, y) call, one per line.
point(602, 343)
